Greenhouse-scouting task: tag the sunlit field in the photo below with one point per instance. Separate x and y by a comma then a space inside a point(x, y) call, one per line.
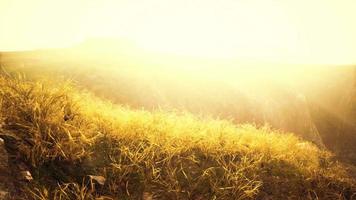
point(186, 100)
point(80, 147)
point(155, 130)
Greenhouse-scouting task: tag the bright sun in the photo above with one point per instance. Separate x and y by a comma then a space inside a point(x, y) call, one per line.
point(318, 31)
point(231, 29)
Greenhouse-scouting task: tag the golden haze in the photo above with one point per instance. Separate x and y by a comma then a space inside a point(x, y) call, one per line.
point(308, 32)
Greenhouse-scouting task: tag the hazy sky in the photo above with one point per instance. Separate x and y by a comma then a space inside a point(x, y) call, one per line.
point(298, 31)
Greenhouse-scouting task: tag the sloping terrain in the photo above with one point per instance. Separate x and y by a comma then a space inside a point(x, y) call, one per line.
point(76, 146)
point(315, 102)
point(153, 84)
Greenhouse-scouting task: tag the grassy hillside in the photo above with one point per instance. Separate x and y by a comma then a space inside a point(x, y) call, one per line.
point(315, 102)
point(77, 146)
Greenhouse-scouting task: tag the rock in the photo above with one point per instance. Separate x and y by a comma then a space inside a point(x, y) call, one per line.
point(26, 176)
point(104, 198)
point(147, 196)
point(3, 195)
point(5, 183)
point(98, 179)
point(10, 171)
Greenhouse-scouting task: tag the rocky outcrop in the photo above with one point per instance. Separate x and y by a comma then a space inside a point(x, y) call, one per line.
point(5, 182)
point(12, 175)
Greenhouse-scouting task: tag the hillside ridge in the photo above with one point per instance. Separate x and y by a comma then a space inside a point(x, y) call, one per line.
point(68, 139)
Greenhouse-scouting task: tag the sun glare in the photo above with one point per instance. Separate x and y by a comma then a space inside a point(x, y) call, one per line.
point(309, 32)
point(177, 99)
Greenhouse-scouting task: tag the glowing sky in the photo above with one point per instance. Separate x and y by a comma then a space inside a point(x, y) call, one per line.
point(293, 31)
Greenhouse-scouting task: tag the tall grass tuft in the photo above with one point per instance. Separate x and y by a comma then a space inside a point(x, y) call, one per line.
point(67, 137)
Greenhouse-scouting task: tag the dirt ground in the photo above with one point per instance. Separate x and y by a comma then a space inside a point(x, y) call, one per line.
point(5, 183)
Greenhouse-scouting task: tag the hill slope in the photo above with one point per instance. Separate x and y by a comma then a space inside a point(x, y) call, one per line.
point(79, 147)
point(314, 102)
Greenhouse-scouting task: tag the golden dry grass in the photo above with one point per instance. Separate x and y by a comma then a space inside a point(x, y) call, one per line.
point(67, 136)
